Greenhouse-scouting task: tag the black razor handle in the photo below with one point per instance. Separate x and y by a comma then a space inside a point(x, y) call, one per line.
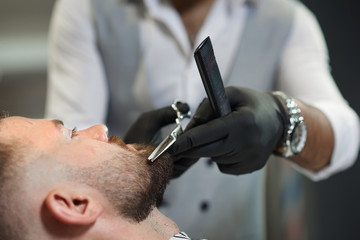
point(211, 78)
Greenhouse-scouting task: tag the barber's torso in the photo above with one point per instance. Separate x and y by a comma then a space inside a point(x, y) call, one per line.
point(157, 57)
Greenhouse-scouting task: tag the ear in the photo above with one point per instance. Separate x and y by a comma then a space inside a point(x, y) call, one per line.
point(72, 207)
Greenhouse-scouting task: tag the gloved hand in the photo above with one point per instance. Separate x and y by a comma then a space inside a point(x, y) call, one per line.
point(240, 142)
point(148, 124)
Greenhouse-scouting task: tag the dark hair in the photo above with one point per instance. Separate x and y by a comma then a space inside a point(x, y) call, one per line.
point(3, 114)
point(5, 154)
point(8, 186)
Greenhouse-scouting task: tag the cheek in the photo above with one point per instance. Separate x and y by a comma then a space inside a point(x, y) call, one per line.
point(90, 153)
point(85, 156)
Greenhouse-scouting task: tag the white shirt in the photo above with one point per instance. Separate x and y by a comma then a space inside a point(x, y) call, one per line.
point(304, 59)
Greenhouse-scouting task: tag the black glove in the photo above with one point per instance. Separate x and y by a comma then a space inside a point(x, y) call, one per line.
point(240, 142)
point(148, 124)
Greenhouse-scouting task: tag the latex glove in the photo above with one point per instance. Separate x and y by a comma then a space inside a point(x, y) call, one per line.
point(148, 124)
point(240, 142)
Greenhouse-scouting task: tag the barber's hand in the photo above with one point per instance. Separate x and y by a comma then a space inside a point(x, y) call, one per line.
point(148, 124)
point(241, 142)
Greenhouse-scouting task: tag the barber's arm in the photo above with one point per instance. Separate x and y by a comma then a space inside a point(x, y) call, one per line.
point(242, 141)
point(319, 145)
point(304, 73)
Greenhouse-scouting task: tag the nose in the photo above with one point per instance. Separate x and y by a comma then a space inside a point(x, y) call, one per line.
point(98, 132)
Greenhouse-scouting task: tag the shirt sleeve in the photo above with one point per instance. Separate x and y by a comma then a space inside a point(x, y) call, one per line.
point(304, 73)
point(77, 90)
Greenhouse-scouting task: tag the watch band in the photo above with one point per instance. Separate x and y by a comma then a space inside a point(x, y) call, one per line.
point(290, 144)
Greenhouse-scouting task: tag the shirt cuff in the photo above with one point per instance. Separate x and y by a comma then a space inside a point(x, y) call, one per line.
point(346, 127)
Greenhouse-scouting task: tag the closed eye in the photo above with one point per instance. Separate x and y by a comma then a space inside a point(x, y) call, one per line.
point(74, 132)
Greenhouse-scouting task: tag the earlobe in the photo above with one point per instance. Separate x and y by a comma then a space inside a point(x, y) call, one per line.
point(72, 208)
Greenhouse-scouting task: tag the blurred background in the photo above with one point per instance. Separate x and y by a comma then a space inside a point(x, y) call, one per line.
point(334, 203)
point(23, 55)
point(330, 207)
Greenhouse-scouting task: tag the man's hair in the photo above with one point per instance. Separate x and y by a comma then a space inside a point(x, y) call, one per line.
point(9, 179)
point(5, 154)
point(14, 224)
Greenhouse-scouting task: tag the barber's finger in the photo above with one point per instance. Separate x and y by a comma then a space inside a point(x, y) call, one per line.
point(212, 150)
point(183, 107)
point(183, 164)
point(147, 124)
point(239, 96)
point(236, 168)
point(203, 114)
point(199, 136)
point(167, 115)
point(159, 117)
point(241, 167)
point(163, 116)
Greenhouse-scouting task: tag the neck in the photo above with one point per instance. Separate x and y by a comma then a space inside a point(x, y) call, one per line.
point(155, 227)
point(193, 14)
point(163, 226)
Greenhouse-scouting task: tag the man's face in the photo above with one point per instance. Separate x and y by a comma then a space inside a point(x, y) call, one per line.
point(83, 148)
point(119, 171)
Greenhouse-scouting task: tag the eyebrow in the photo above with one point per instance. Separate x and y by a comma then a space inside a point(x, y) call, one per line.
point(3, 114)
point(58, 123)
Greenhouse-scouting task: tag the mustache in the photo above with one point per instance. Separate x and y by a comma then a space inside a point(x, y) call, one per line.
point(142, 149)
point(117, 140)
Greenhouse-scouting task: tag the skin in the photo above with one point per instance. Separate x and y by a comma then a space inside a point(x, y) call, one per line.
point(73, 210)
point(193, 14)
point(319, 142)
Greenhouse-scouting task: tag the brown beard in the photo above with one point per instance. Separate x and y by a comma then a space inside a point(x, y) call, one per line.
point(160, 170)
point(117, 140)
point(132, 184)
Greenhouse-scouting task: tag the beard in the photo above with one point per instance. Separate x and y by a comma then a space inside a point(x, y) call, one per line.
point(131, 183)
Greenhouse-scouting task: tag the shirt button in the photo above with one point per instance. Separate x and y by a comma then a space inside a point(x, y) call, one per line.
point(204, 206)
point(209, 162)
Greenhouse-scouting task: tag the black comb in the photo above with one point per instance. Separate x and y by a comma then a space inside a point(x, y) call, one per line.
point(211, 78)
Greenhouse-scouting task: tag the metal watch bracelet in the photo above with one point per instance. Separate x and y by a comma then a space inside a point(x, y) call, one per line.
point(295, 132)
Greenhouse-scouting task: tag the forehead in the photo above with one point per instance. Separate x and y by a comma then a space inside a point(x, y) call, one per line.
point(19, 121)
point(28, 135)
point(25, 127)
point(51, 137)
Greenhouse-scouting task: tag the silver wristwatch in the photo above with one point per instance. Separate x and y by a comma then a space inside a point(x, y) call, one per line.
point(296, 132)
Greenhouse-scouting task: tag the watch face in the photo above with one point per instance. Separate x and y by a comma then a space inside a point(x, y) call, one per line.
point(298, 137)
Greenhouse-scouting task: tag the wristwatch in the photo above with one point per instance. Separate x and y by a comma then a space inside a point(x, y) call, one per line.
point(295, 136)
